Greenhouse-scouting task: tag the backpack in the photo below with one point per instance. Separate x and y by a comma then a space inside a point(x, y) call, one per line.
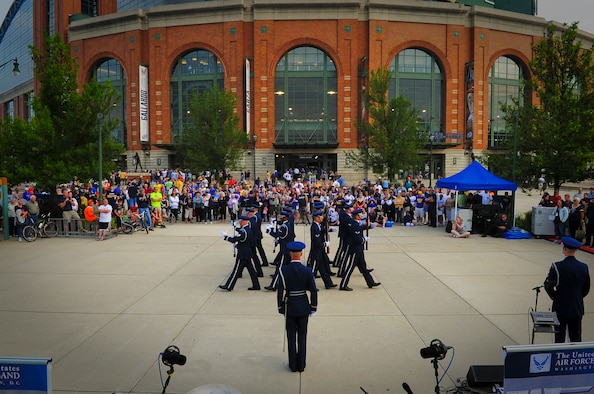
point(448, 227)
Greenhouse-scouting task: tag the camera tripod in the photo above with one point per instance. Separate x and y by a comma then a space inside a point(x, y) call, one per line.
point(169, 375)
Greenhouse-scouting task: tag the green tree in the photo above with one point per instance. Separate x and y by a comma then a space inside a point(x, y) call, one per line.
point(214, 139)
point(391, 139)
point(556, 134)
point(65, 125)
point(60, 142)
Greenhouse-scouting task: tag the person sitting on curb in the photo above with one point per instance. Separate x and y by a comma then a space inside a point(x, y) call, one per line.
point(459, 229)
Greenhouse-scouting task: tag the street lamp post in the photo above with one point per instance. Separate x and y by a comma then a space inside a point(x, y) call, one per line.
point(99, 120)
point(254, 140)
point(15, 66)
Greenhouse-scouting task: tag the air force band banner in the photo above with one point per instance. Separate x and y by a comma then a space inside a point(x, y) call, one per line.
point(549, 369)
point(25, 375)
point(144, 103)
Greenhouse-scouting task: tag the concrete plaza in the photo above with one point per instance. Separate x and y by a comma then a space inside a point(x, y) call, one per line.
point(104, 310)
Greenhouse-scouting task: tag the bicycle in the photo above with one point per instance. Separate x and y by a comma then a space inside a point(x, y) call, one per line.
point(136, 221)
point(44, 228)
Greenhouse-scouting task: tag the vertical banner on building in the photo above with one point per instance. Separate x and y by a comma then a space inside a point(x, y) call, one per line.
point(247, 97)
point(469, 101)
point(143, 93)
point(25, 375)
point(549, 369)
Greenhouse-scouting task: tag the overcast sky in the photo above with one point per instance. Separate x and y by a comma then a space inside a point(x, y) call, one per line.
point(564, 11)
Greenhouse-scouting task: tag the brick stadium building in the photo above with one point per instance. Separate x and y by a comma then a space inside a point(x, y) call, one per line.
point(298, 69)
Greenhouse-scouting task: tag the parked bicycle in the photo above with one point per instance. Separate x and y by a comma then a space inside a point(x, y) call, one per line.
point(135, 222)
point(44, 228)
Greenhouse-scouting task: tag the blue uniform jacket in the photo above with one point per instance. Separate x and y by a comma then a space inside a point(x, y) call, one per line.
point(567, 283)
point(296, 279)
point(243, 238)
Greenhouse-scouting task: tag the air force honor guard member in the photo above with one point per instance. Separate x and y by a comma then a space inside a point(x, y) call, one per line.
point(318, 258)
point(567, 283)
point(295, 280)
point(244, 255)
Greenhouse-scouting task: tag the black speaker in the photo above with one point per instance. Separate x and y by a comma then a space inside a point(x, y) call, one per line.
point(484, 375)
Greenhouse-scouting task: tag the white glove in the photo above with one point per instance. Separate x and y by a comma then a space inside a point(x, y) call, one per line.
point(268, 227)
point(366, 239)
point(326, 244)
point(224, 233)
point(272, 221)
point(312, 314)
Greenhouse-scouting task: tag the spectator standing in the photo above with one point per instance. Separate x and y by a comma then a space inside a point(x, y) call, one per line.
point(104, 218)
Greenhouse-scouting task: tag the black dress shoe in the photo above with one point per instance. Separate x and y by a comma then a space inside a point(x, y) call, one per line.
point(346, 288)
point(331, 286)
point(224, 287)
point(260, 275)
point(269, 287)
point(374, 284)
point(332, 273)
point(264, 265)
point(370, 270)
point(484, 235)
point(253, 288)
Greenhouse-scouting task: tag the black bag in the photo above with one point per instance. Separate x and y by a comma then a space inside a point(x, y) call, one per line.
point(448, 228)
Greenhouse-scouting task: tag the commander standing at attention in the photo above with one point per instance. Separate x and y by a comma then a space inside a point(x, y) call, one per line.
point(295, 280)
point(567, 283)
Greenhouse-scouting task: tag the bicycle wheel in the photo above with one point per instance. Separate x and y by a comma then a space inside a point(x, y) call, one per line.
point(50, 229)
point(127, 228)
point(29, 233)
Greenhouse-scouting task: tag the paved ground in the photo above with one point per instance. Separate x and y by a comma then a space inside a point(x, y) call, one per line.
point(104, 310)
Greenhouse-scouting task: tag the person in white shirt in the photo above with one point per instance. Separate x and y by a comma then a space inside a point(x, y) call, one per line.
point(104, 218)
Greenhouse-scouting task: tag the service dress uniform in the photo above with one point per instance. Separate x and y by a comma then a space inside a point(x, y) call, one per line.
point(244, 243)
point(295, 280)
point(318, 259)
point(567, 283)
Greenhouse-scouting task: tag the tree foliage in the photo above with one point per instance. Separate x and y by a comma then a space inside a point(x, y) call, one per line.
point(557, 133)
point(391, 139)
point(61, 141)
point(214, 139)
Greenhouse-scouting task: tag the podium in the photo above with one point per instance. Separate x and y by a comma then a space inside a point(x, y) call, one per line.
point(543, 322)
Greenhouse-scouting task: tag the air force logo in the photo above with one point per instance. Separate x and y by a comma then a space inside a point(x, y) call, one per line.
point(540, 363)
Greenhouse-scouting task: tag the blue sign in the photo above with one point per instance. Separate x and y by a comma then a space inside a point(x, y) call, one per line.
point(30, 375)
point(554, 368)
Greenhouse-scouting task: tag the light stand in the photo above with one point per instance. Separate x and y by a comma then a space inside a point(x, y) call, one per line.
point(170, 357)
point(437, 351)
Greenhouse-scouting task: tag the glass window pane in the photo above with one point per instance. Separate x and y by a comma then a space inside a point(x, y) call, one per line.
point(305, 97)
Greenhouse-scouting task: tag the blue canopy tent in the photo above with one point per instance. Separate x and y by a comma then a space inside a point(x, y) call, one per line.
point(476, 177)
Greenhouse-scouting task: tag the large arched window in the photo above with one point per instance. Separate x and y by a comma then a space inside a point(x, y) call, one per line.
point(111, 71)
point(417, 77)
point(193, 73)
point(305, 89)
point(505, 84)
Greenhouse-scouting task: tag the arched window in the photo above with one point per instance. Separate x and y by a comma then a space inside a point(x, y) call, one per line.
point(417, 77)
point(505, 84)
point(111, 71)
point(193, 73)
point(305, 89)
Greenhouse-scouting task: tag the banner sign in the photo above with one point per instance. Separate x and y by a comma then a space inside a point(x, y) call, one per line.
point(549, 369)
point(248, 93)
point(469, 99)
point(144, 103)
point(25, 375)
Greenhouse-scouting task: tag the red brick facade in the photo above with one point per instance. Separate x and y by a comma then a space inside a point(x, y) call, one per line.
point(263, 31)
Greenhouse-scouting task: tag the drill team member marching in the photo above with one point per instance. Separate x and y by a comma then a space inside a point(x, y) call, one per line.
point(244, 255)
point(318, 258)
point(356, 257)
point(284, 234)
